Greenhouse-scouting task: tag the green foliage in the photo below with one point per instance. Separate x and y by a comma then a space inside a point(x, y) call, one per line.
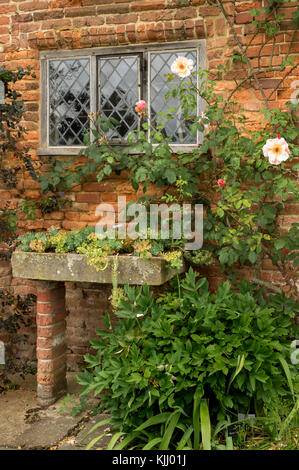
point(227, 346)
point(51, 203)
point(25, 240)
point(15, 316)
point(70, 404)
point(169, 430)
point(173, 259)
point(199, 257)
point(29, 209)
point(11, 130)
point(8, 223)
point(97, 251)
point(98, 248)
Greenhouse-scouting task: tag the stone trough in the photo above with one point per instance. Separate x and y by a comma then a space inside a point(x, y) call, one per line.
point(73, 267)
point(51, 271)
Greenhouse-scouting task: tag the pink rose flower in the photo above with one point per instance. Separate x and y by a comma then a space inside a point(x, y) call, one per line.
point(140, 106)
point(221, 182)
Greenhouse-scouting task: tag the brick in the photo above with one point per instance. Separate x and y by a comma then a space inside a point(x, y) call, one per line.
point(4, 20)
point(243, 18)
point(50, 331)
point(75, 12)
point(7, 9)
point(4, 30)
point(148, 5)
point(108, 9)
point(185, 13)
point(72, 215)
point(50, 306)
point(46, 15)
point(122, 19)
point(48, 287)
point(89, 217)
point(246, 6)
point(33, 6)
point(51, 295)
point(208, 11)
point(48, 320)
point(69, 225)
point(51, 378)
point(98, 187)
point(52, 392)
point(285, 47)
point(51, 365)
point(88, 197)
point(50, 342)
point(269, 82)
point(109, 197)
point(55, 215)
point(51, 353)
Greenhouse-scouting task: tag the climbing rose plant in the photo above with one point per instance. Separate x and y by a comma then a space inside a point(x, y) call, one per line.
point(245, 178)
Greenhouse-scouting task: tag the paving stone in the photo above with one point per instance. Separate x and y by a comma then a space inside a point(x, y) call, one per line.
point(25, 425)
point(80, 441)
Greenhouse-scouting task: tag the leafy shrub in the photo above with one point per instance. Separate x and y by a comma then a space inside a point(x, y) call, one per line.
point(227, 347)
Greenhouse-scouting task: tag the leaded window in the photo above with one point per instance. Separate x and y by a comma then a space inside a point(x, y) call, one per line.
point(118, 91)
point(69, 103)
point(78, 83)
point(160, 63)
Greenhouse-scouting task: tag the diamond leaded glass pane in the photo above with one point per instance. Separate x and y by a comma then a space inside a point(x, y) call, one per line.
point(69, 99)
point(119, 92)
point(160, 63)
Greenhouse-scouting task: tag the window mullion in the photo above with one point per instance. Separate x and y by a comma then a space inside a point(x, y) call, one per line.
point(142, 79)
point(147, 81)
point(44, 104)
point(93, 89)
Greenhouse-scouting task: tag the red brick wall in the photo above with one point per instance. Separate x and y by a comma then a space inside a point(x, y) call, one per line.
point(27, 27)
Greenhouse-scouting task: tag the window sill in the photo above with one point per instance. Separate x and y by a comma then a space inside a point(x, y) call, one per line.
point(75, 150)
point(59, 151)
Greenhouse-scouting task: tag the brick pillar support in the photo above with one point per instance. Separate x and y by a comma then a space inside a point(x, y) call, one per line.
point(51, 347)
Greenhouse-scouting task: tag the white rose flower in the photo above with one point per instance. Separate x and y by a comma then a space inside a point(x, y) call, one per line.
point(277, 150)
point(182, 66)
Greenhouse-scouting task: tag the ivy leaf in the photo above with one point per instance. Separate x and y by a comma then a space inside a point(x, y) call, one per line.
point(252, 256)
point(141, 174)
point(280, 244)
point(170, 175)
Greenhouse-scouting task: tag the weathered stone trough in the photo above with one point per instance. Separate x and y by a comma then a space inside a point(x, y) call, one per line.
point(50, 271)
point(73, 267)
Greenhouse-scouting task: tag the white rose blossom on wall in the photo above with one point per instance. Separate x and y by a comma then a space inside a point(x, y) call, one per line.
point(182, 66)
point(277, 150)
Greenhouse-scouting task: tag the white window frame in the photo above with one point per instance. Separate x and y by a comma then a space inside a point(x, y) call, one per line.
point(93, 54)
